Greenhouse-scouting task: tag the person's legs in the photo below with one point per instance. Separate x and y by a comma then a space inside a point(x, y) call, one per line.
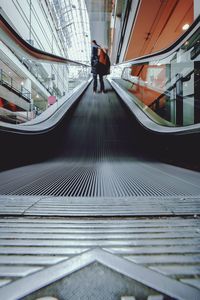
point(95, 83)
point(101, 83)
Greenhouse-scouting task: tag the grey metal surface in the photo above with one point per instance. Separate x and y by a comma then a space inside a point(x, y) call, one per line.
point(4, 282)
point(157, 297)
point(128, 298)
point(95, 281)
point(17, 271)
point(166, 247)
point(194, 282)
point(98, 179)
point(100, 206)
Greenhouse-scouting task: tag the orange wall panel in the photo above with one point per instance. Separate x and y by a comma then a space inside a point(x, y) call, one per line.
point(158, 24)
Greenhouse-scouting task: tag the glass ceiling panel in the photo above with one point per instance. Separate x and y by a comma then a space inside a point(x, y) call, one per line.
point(73, 28)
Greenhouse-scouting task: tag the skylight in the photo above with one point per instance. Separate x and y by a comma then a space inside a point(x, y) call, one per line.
point(73, 27)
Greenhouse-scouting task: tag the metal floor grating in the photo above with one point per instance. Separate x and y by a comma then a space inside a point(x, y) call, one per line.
point(103, 179)
point(164, 251)
point(52, 206)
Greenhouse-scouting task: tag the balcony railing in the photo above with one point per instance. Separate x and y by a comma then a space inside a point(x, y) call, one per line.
point(7, 81)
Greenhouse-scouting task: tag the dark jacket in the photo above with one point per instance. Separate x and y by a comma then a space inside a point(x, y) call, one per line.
point(94, 59)
point(100, 61)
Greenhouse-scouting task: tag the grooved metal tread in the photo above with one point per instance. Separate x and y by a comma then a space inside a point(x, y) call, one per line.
point(165, 246)
point(89, 206)
point(105, 179)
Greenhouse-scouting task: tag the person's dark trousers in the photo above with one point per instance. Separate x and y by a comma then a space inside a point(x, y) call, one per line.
point(95, 82)
point(101, 83)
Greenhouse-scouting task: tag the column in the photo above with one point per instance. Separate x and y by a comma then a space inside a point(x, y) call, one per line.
point(196, 92)
point(196, 8)
point(26, 92)
point(179, 100)
point(27, 89)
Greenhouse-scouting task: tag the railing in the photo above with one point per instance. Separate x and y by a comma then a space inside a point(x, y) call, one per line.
point(7, 81)
point(167, 82)
point(160, 104)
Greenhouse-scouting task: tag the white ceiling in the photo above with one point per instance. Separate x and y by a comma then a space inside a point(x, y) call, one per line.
point(100, 16)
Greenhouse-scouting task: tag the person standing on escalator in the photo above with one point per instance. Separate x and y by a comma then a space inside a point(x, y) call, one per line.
point(100, 64)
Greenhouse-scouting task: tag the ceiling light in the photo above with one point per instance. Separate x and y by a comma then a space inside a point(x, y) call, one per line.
point(185, 26)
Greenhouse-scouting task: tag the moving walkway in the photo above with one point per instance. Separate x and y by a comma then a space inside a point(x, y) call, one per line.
point(89, 192)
